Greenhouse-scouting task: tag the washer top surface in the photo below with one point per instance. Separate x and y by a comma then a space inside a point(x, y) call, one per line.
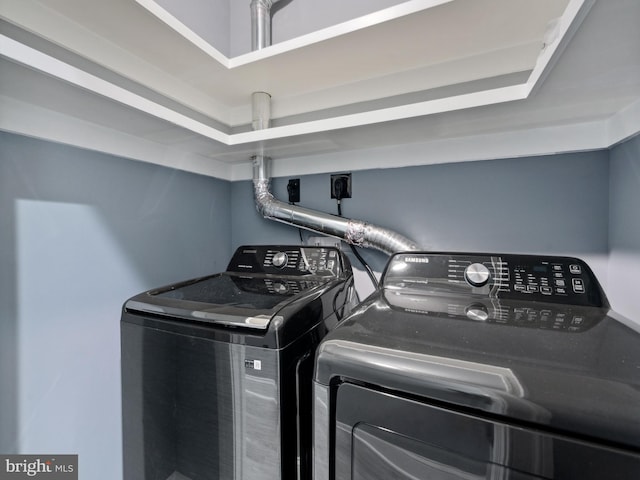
point(525, 337)
point(261, 284)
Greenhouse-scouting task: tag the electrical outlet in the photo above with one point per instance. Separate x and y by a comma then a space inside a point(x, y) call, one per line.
point(293, 187)
point(341, 186)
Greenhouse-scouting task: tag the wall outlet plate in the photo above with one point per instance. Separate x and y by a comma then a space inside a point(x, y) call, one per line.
point(293, 188)
point(341, 185)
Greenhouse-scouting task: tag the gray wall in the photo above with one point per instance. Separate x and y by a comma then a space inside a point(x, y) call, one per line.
point(624, 230)
point(555, 204)
point(79, 233)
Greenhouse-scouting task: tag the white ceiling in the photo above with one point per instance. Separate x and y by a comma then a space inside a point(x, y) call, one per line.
point(590, 99)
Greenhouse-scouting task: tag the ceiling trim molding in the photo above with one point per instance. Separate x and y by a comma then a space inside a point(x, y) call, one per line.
point(25, 117)
point(555, 42)
point(523, 143)
point(624, 124)
point(49, 65)
point(33, 121)
point(30, 120)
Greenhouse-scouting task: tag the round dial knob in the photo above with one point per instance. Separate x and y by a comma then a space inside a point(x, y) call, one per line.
point(477, 274)
point(280, 259)
point(477, 312)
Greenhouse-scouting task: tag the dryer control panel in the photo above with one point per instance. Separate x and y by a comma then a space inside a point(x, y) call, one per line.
point(518, 277)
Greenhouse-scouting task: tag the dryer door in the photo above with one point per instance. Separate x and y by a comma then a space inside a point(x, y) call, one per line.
point(382, 435)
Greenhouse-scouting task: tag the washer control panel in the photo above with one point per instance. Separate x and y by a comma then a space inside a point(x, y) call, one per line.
point(519, 277)
point(290, 260)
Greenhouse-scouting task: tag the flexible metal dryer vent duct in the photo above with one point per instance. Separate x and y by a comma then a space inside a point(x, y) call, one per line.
point(355, 232)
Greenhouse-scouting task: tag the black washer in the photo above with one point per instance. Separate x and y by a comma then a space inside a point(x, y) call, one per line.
point(217, 371)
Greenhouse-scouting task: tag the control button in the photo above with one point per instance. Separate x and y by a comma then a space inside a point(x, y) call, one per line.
point(560, 282)
point(477, 275)
point(477, 312)
point(577, 321)
point(532, 288)
point(558, 274)
point(575, 269)
point(557, 267)
point(280, 259)
point(561, 291)
point(546, 290)
point(578, 285)
point(519, 287)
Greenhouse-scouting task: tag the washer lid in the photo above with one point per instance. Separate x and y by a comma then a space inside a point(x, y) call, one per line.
point(262, 284)
point(227, 299)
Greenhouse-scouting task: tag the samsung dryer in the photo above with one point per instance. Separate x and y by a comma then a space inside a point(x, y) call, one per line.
point(217, 371)
point(488, 366)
